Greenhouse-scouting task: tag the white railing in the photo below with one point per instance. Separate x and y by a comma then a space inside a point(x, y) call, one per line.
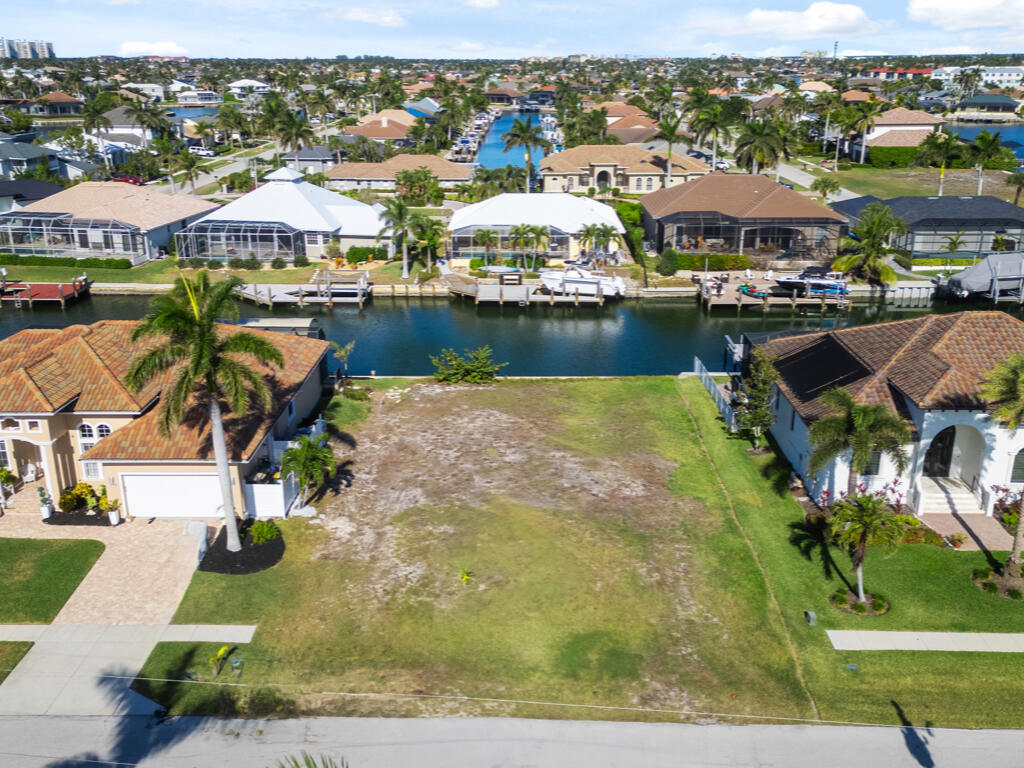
point(716, 394)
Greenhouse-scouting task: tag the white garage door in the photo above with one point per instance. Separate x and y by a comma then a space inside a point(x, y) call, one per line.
point(172, 495)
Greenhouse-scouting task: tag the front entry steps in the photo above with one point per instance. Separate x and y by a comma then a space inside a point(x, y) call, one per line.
point(948, 495)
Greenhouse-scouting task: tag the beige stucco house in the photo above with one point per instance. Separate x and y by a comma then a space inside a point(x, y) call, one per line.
point(66, 417)
point(631, 169)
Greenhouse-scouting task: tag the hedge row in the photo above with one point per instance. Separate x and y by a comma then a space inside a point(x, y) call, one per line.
point(14, 260)
point(904, 157)
point(670, 261)
point(366, 253)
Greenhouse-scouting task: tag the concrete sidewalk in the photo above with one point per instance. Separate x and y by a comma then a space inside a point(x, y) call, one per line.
point(970, 642)
point(87, 669)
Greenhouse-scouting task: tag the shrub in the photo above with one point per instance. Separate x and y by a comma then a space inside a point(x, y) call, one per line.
point(278, 263)
point(715, 261)
point(668, 263)
point(942, 262)
point(991, 587)
point(68, 502)
point(1011, 518)
point(591, 191)
point(263, 531)
point(195, 263)
point(859, 608)
point(878, 604)
point(892, 157)
point(300, 260)
point(253, 263)
point(982, 573)
point(359, 253)
point(1014, 594)
point(630, 214)
point(236, 262)
point(531, 275)
point(840, 597)
point(477, 367)
point(91, 262)
point(214, 264)
point(476, 263)
point(355, 393)
point(510, 263)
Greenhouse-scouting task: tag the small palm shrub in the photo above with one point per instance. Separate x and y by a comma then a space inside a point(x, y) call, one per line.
point(263, 531)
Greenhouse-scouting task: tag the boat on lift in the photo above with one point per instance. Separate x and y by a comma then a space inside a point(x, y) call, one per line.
point(585, 282)
point(814, 281)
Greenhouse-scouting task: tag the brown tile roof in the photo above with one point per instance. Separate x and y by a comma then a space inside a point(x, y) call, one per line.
point(619, 109)
point(739, 195)
point(393, 115)
point(377, 130)
point(441, 168)
point(855, 95)
point(630, 159)
point(59, 97)
point(633, 129)
point(904, 116)
point(935, 361)
point(143, 207)
point(900, 138)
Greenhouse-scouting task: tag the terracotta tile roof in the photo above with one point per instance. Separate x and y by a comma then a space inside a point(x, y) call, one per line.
point(441, 168)
point(935, 361)
point(739, 195)
point(630, 159)
point(392, 115)
point(632, 129)
point(619, 109)
point(376, 129)
point(901, 138)
point(904, 116)
point(855, 95)
point(59, 97)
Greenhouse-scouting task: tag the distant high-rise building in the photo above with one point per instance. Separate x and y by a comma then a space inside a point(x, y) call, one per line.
point(25, 49)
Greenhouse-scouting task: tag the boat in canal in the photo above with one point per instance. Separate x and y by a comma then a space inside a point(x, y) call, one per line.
point(814, 281)
point(585, 282)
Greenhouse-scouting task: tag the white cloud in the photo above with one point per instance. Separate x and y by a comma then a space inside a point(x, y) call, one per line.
point(142, 48)
point(382, 18)
point(468, 46)
point(819, 19)
point(481, 3)
point(956, 14)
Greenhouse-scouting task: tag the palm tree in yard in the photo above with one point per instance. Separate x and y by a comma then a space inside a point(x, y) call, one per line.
point(520, 236)
point(206, 365)
point(204, 128)
point(713, 121)
point(190, 166)
point(826, 186)
point(95, 120)
point(669, 131)
point(311, 461)
point(952, 246)
point(865, 112)
point(939, 148)
point(488, 239)
point(527, 136)
point(541, 236)
point(1003, 389)
point(787, 144)
point(398, 223)
point(429, 233)
point(758, 145)
point(858, 430)
point(1016, 180)
point(827, 104)
point(294, 132)
point(868, 253)
point(860, 522)
point(985, 148)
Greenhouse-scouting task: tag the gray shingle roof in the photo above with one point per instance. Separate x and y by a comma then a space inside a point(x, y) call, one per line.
point(919, 211)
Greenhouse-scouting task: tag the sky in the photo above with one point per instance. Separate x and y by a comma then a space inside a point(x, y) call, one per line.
point(516, 28)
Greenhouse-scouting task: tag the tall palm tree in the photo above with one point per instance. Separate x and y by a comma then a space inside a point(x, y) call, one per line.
point(229, 120)
point(860, 522)
point(827, 104)
point(527, 136)
point(939, 148)
point(95, 120)
point(205, 364)
point(861, 431)
point(311, 461)
point(167, 148)
point(985, 148)
point(398, 223)
point(865, 112)
point(952, 245)
point(868, 252)
point(846, 119)
point(541, 237)
point(520, 236)
point(148, 117)
point(488, 239)
point(758, 145)
point(669, 131)
point(714, 121)
point(1003, 389)
point(788, 140)
point(190, 166)
point(429, 233)
point(588, 235)
point(294, 132)
point(204, 128)
point(1016, 180)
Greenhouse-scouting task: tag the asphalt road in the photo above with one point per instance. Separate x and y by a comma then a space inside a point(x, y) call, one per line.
point(27, 742)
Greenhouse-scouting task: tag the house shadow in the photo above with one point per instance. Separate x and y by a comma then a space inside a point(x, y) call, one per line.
point(917, 745)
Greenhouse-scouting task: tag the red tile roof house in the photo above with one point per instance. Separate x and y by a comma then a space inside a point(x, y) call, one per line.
point(927, 369)
point(899, 127)
point(66, 417)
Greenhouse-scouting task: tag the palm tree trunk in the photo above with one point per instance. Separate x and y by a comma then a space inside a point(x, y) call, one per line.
point(942, 177)
point(714, 149)
point(220, 454)
point(860, 583)
point(405, 257)
point(668, 166)
point(851, 483)
point(1013, 562)
point(981, 178)
point(836, 161)
point(863, 146)
point(824, 138)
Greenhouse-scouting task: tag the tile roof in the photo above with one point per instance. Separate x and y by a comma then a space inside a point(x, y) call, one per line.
point(630, 159)
point(935, 361)
point(739, 195)
point(902, 138)
point(143, 207)
point(376, 129)
point(632, 129)
point(393, 115)
point(42, 370)
point(441, 168)
point(904, 116)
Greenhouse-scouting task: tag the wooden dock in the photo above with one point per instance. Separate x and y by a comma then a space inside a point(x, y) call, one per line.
point(519, 294)
point(326, 287)
point(732, 296)
point(29, 294)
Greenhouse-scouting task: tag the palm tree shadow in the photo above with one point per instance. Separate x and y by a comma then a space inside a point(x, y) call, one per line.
point(343, 477)
point(917, 745)
point(777, 472)
point(811, 538)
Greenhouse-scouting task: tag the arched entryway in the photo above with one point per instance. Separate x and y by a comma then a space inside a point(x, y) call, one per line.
point(956, 452)
point(604, 179)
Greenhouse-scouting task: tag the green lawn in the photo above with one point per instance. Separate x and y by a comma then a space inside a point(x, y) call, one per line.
point(39, 575)
point(10, 655)
point(153, 272)
point(625, 551)
point(392, 272)
point(895, 182)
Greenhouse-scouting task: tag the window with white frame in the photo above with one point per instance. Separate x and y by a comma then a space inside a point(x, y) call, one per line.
point(5, 459)
point(650, 183)
point(92, 470)
point(33, 425)
point(86, 437)
point(102, 430)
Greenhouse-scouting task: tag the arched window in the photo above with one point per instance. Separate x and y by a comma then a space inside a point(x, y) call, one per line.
point(1017, 475)
point(85, 432)
point(102, 430)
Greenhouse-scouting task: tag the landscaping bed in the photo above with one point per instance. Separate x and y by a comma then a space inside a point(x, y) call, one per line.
point(77, 518)
point(253, 557)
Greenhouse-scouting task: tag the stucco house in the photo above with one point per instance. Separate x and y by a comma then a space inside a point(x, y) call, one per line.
point(66, 417)
point(929, 370)
point(383, 175)
point(899, 127)
point(631, 169)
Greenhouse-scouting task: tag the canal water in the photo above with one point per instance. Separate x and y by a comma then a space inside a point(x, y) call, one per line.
point(194, 112)
point(1011, 132)
point(397, 336)
point(492, 152)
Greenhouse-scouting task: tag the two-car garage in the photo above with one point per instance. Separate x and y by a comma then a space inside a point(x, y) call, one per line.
point(155, 495)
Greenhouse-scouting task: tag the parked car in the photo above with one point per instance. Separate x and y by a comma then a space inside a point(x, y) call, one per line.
point(127, 178)
point(722, 165)
point(314, 121)
point(202, 151)
point(329, 115)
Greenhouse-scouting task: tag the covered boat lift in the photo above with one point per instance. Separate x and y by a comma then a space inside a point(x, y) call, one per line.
point(998, 277)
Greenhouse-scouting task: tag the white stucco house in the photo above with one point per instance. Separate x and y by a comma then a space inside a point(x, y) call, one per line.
point(927, 369)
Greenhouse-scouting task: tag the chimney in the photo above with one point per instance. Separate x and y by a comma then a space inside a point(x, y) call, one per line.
point(383, 122)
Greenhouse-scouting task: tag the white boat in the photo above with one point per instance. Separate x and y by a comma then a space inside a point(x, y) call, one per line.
point(574, 280)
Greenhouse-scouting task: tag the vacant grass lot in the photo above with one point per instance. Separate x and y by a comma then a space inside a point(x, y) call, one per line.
point(39, 575)
point(10, 655)
point(895, 182)
point(623, 550)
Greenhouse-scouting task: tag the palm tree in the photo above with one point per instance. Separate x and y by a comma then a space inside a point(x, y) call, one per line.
point(488, 239)
point(787, 133)
point(335, 144)
point(669, 131)
point(868, 252)
point(541, 236)
point(589, 234)
point(191, 166)
point(982, 150)
point(203, 128)
point(294, 132)
point(865, 112)
point(953, 244)
point(860, 522)
point(825, 185)
point(758, 145)
point(529, 137)
point(846, 119)
point(95, 120)
point(520, 236)
point(713, 121)
point(342, 353)
point(205, 364)
point(310, 461)
point(167, 148)
point(398, 223)
point(827, 104)
point(1016, 180)
point(861, 430)
point(429, 233)
point(1003, 389)
point(147, 117)
point(939, 148)
point(230, 120)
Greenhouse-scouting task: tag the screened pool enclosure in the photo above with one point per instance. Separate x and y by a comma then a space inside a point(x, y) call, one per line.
point(224, 239)
point(61, 234)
